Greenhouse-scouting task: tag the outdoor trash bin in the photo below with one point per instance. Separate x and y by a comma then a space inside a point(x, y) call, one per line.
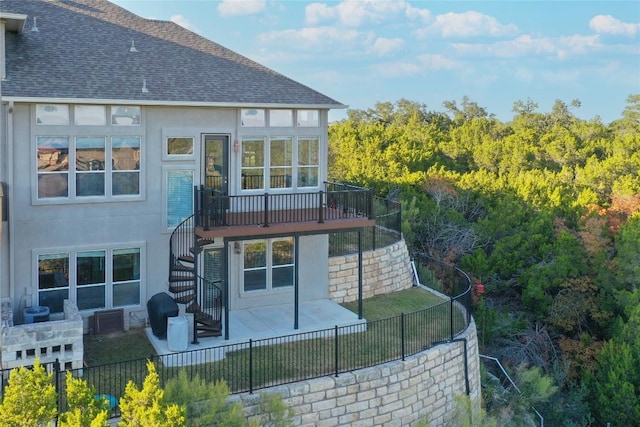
point(178, 333)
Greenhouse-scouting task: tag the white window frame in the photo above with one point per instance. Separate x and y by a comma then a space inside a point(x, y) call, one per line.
point(166, 171)
point(268, 268)
point(72, 280)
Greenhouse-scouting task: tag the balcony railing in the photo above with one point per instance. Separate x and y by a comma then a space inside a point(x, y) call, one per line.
point(335, 202)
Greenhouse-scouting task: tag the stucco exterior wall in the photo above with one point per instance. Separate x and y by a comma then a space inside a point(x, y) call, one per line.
point(384, 270)
point(399, 393)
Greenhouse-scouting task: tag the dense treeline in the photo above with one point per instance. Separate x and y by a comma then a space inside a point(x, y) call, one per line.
point(544, 211)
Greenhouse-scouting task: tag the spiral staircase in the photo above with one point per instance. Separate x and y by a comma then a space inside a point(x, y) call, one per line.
point(202, 298)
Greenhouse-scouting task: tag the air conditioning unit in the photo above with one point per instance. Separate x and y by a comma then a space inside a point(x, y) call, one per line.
point(107, 321)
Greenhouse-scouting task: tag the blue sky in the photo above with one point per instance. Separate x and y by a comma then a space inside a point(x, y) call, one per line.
point(360, 52)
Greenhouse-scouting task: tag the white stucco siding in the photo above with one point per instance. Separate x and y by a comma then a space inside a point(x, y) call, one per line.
point(93, 224)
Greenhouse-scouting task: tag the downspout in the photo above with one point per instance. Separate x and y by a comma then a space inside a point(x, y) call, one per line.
point(8, 202)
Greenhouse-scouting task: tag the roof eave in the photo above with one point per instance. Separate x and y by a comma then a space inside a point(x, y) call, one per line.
point(13, 22)
point(147, 102)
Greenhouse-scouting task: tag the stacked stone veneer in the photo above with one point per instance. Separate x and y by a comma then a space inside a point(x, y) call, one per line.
point(20, 345)
point(401, 393)
point(383, 270)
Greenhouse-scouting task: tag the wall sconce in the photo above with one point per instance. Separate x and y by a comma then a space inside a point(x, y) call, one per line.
point(236, 146)
point(236, 248)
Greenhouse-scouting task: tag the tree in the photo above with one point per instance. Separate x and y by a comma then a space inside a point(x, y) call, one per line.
point(206, 403)
point(146, 407)
point(84, 409)
point(30, 399)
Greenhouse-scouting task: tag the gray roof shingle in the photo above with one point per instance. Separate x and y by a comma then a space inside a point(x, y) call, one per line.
point(82, 52)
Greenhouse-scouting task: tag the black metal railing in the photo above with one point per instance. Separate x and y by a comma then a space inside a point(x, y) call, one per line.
point(217, 209)
point(257, 364)
point(387, 231)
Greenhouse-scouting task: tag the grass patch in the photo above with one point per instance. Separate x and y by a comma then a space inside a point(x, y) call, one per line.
point(395, 303)
point(117, 347)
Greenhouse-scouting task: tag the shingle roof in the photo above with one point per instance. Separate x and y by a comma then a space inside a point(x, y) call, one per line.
point(82, 52)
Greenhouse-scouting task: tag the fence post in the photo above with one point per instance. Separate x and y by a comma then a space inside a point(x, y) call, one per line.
point(250, 366)
point(451, 315)
point(320, 210)
point(56, 380)
point(402, 340)
point(266, 210)
point(335, 346)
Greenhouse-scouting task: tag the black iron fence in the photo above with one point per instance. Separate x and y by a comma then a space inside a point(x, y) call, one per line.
point(256, 364)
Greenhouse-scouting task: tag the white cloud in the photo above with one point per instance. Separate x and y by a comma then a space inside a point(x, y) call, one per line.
point(354, 13)
point(468, 24)
point(607, 24)
point(526, 46)
point(422, 63)
point(318, 38)
point(240, 7)
point(383, 46)
point(184, 22)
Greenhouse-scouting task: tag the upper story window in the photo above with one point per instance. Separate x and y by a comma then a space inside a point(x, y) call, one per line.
point(308, 118)
point(79, 167)
point(52, 114)
point(125, 115)
point(252, 117)
point(90, 115)
point(280, 118)
point(90, 156)
point(280, 162)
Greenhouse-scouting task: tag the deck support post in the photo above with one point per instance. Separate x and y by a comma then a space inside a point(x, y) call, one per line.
point(360, 273)
point(296, 287)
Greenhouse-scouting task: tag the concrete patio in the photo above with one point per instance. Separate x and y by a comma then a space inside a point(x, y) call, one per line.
point(260, 323)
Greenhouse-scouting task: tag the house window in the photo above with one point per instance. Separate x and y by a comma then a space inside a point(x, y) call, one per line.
point(308, 161)
point(268, 264)
point(126, 165)
point(280, 160)
point(52, 114)
point(90, 166)
point(280, 118)
point(252, 117)
point(179, 191)
point(98, 167)
point(253, 163)
point(125, 115)
point(53, 280)
point(180, 146)
point(53, 166)
point(126, 277)
point(91, 278)
point(308, 118)
point(90, 115)
point(95, 278)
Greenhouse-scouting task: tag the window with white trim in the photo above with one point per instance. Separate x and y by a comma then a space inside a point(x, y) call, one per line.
point(179, 194)
point(94, 166)
point(93, 278)
point(268, 264)
point(292, 162)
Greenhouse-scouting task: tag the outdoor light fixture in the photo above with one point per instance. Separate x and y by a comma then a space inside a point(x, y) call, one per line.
point(236, 146)
point(236, 248)
point(133, 47)
point(144, 86)
point(35, 29)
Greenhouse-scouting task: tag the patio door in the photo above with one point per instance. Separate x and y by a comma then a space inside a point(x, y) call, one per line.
point(216, 162)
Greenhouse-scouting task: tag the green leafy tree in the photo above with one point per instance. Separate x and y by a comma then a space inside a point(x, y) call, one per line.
point(84, 409)
point(30, 399)
point(206, 403)
point(146, 407)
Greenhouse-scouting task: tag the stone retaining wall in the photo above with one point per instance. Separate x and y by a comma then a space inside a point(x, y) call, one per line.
point(400, 393)
point(51, 340)
point(384, 270)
